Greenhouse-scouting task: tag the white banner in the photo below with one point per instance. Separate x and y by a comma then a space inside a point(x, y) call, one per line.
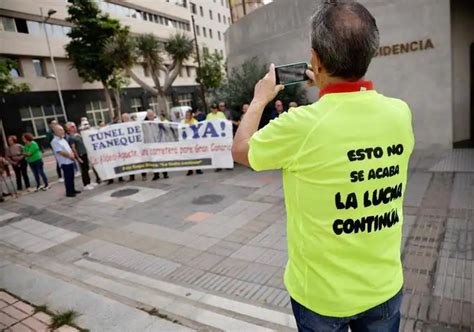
point(152, 146)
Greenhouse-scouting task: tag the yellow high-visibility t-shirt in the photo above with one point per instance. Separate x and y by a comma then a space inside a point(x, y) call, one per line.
point(345, 162)
point(218, 115)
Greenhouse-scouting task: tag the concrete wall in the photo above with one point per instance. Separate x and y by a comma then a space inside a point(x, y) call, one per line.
point(462, 16)
point(279, 33)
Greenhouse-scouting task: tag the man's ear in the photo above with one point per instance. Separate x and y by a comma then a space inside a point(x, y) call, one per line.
point(315, 61)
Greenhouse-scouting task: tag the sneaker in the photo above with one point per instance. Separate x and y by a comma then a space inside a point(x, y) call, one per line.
point(155, 177)
point(199, 172)
point(61, 179)
point(78, 174)
point(93, 184)
point(45, 188)
point(165, 175)
point(89, 187)
point(77, 192)
point(38, 189)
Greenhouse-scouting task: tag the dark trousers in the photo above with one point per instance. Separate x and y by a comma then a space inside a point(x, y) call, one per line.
point(21, 170)
point(58, 170)
point(38, 171)
point(68, 172)
point(384, 317)
point(86, 180)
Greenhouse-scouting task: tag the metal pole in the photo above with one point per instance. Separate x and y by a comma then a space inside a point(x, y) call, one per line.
point(203, 94)
point(45, 19)
point(244, 7)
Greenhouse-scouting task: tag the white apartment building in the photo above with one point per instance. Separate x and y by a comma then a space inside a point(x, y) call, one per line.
point(22, 39)
point(212, 18)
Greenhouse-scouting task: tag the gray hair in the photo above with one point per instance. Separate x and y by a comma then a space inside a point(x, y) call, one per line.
point(345, 36)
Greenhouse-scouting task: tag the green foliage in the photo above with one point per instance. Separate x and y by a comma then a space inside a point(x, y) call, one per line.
point(180, 47)
point(121, 49)
point(7, 85)
point(239, 87)
point(150, 49)
point(63, 318)
point(211, 74)
point(89, 36)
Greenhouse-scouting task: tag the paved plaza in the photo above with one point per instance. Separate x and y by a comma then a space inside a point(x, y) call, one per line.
point(207, 252)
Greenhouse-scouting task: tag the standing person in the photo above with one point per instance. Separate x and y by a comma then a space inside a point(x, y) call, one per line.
point(279, 109)
point(227, 112)
point(49, 137)
point(80, 153)
point(15, 157)
point(33, 156)
point(190, 120)
point(344, 258)
point(126, 118)
point(101, 124)
point(200, 115)
point(150, 116)
point(163, 117)
point(66, 159)
point(215, 113)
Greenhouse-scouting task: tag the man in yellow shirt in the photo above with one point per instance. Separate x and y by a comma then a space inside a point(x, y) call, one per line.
point(344, 161)
point(215, 113)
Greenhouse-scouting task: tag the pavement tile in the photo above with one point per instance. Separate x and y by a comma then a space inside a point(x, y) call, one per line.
point(3, 304)
point(43, 317)
point(35, 324)
point(14, 312)
point(198, 216)
point(7, 320)
point(7, 298)
point(67, 328)
point(25, 307)
point(19, 327)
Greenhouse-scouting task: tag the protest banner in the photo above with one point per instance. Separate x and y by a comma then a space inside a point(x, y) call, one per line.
point(153, 146)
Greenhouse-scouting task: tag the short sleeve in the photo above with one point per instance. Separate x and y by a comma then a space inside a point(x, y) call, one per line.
point(276, 145)
point(56, 146)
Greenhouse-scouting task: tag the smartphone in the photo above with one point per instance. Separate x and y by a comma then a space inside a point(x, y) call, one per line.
point(293, 73)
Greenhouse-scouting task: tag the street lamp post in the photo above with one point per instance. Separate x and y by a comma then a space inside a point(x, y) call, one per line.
point(56, 77)
point(203, 93)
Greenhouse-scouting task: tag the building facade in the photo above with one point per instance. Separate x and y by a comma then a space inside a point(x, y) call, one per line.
point(426, 57)
point(212, 19)
point(22, 39)
point(240, 8)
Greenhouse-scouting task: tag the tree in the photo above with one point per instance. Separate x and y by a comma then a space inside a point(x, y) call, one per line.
point(210, 75)
point(239, 87)
point(7, 85)
point(89, 36)
point(148, 50)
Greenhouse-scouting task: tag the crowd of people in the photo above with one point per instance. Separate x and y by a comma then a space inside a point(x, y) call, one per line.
point(71, 154)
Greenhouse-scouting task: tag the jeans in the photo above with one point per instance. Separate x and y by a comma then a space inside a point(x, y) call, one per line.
point(382, 318)
point(86, 180)
point(21, 171)
point(37, 169)
point(68, 172)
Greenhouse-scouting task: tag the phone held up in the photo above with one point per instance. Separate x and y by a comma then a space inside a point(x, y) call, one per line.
point(293, 73)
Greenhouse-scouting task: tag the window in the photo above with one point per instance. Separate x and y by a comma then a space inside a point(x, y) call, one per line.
point(16, 72)
point(219, 35)
point(204, 31)
point(185, 99)
point(226, 3)
point(39, 67)
point(35, 118)
point(210, 14)
point(224, 19)
point(198, 32)
point(222, 2)
point(228, 20)
point(97, 111)
point(219, 17)
point(136, 105)
point(205, 50)
point(21, 25)
point(193, 8)
point(7, 24)
point(222, 53)
point(188, 71)
point(201, 11)
point(210, 33)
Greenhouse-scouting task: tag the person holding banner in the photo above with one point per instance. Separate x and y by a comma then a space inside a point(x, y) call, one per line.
point(65, 157)
point(190, 120)
point(215, 113)
point(150, 116)
point(80, 153)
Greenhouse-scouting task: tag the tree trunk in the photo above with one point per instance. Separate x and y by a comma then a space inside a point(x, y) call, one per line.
point(118, 101)
point(162, 104)
point(108, 100)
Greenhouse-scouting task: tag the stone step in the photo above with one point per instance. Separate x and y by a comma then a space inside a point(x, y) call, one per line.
point(214, 302)
point(189, 307)
point(97, 312)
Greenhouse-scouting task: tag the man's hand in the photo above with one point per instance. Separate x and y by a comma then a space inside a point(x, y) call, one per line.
point(266, 89)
